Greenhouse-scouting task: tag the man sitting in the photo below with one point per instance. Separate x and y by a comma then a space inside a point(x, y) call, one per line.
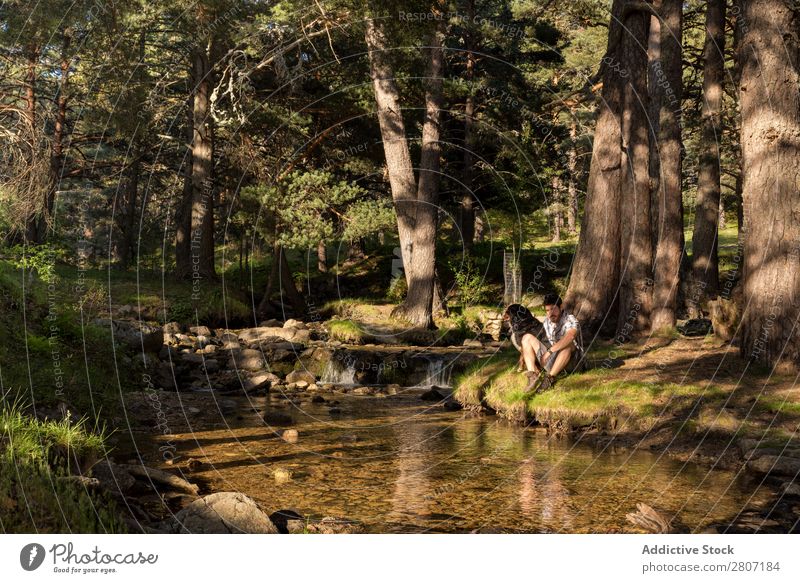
point(561, 350)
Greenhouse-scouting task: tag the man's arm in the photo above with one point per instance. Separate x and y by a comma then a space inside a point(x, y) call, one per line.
point(565, 341)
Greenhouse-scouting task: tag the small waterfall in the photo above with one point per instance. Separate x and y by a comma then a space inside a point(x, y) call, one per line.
point(437, 374)
point(338, 375)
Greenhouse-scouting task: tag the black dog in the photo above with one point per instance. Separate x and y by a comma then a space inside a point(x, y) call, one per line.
point(522, 322)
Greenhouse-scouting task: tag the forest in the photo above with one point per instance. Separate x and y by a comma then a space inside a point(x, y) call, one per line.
point(253, 208)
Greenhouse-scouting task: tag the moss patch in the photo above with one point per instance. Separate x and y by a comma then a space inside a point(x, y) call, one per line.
point(347, 332)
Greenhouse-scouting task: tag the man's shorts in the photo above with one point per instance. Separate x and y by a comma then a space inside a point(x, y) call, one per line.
point(575, 361)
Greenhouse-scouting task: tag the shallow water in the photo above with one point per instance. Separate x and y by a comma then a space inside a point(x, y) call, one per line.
point(399, 464)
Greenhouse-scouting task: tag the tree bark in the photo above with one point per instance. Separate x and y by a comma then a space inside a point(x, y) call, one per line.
point(202, 241)
point(670, 209)
point(656, 91)
point(416, 205)
point(636, 250)
point(596, 267)
point(705, 266)
point(770, 138)
point(395, 147)
point(418, 307)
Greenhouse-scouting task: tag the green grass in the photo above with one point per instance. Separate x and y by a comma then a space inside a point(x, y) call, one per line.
point(37, 459)
point(347, 332)
point(25, 439)
point(579, 399)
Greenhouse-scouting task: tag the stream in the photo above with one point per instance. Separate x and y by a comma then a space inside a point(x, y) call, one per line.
point(400, 464)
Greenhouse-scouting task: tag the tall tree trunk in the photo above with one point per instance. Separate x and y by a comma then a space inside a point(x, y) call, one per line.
point(656, 91)
point(738, 28)
point(183, 211)
point(33, 206)
point(418, 307)
point(202, 243)
point(572, 185)
point(705, 265)
point(395, 147)
point(670, 209)
point(770, 104)
point(595, 270)
point(467, 208)
point(415, 205)
point(636, 247)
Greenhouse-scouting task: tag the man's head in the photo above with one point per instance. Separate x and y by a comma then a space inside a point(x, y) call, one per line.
point(552, 306)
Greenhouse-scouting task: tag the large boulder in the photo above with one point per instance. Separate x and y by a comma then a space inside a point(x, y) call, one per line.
point(260, 381)
point(775, 464)
point(273, 334)
point(297, 376)
point(224, 513)
point(247, 359)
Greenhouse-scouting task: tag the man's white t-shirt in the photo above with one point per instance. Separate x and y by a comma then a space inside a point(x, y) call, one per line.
point(555, 330)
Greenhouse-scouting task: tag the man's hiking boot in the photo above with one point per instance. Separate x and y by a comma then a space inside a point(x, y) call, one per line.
point(534, 380)
point(547, 383)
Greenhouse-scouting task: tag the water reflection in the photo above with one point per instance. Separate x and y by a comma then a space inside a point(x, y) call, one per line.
point(398, 465)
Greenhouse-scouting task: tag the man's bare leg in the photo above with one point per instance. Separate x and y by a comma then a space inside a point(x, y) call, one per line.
point(562, 359)
point(530, 348)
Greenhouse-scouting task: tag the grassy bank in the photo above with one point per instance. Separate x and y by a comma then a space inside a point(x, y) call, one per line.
point(653, 399)
point(39, 466)
point(60, 389)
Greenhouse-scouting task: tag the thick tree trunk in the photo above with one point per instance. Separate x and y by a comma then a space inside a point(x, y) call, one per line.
point(202, 243)
point(595, 270)
point(418, 307)
point(183, 212)
point(670, 209)
point(705, 267)
point(395, 147)
point(636, 250)
point(656, 90)
point(572, 185)
point(416, 206)
point(770, 104)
